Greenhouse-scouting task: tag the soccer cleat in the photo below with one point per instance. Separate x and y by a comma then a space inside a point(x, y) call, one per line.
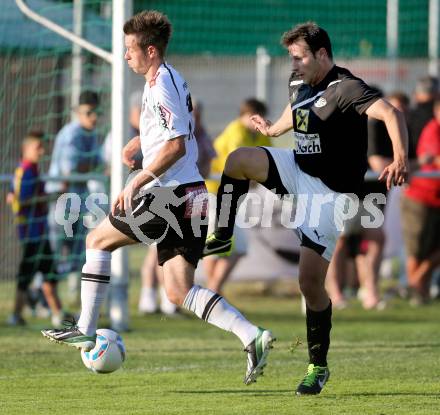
point(314, 380)
point(257, 352)
point(214, 246)
point(71, 336)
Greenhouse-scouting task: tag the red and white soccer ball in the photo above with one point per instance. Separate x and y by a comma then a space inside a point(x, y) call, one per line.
point(108, 353)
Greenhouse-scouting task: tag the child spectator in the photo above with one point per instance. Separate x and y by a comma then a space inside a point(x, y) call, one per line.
point(29, 206)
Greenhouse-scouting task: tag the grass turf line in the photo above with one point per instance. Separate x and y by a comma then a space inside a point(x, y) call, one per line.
point(381, 363)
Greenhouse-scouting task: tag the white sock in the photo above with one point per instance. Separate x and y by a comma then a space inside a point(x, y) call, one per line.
point(95, 279)
point(166, 306)
point(148, 300)
point(214, 309)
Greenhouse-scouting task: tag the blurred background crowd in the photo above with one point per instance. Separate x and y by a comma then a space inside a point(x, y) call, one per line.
point(49, 137)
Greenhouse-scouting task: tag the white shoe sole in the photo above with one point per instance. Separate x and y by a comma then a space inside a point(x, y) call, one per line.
point(86, 346)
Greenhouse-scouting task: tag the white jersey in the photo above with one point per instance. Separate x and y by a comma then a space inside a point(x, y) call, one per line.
point(166, 114)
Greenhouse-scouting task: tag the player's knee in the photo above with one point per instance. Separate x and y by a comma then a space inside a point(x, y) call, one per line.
point(94, 240)
point(175, 295)
point(310, 287)
point(238, 160)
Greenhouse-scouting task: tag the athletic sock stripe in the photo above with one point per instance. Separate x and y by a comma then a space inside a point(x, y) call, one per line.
point(210, 305)
point(98, 281)
point(189, 298)
point(95, 277)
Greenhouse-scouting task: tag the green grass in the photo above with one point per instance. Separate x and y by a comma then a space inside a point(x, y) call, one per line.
point(381, 363)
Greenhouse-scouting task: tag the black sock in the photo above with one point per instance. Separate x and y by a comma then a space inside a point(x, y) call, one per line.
point(228, 199)
point(319, 324)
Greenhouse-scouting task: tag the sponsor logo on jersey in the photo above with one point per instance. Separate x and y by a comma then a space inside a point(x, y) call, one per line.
point(307, 143)
point(320, 102)
point(164, 115)
point(302, 119)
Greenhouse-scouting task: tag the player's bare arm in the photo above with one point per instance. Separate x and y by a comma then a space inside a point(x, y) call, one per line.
point(172, 151)
point(269, 129)
point(397, 172)
point(130, 150)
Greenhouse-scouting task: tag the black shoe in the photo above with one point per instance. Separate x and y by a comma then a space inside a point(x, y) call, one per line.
point(214, 246)
point(314, 380)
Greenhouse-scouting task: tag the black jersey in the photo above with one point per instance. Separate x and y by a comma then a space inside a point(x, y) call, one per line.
point(330, 128)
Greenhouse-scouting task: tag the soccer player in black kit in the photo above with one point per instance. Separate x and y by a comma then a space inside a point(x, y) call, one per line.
point(329, 108)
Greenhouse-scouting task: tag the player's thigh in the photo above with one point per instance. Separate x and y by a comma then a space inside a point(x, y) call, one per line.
point(106, 237)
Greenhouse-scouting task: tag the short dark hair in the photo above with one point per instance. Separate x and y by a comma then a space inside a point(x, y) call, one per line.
point(89, 98)
point(152, 28)
point(399, 96)
point(314, 36)
point(427, 85)
point(253, 106)
point(437, 102)
point(32, 136)
point(37, 134)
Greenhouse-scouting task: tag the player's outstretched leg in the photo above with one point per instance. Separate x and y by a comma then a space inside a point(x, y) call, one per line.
point(242, 165)
point(229, 197)
point(214, 309)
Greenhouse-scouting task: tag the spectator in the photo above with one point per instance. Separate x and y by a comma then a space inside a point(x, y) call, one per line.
point(134, 115)
point(204, 142)
point(75, 150)
point(380, 154)
point(28, 203)
point(425, 93)
point(421, 213)
point(238, 133)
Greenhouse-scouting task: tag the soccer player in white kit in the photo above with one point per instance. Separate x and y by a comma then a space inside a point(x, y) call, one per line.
point(164, 203)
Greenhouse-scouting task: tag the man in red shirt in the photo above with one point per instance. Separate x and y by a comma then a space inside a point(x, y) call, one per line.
point(421, 213)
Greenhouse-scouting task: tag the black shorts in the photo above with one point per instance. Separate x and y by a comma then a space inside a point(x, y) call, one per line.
point(175, 218)
point(36, 257)
point(421, 228)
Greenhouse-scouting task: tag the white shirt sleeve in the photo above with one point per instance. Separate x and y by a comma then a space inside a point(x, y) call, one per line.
point(173, 115)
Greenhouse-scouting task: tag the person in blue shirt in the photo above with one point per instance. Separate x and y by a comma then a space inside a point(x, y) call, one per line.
point(76, 150)
point(28, 202)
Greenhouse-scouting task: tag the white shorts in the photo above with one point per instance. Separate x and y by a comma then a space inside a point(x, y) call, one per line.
point(320, 212)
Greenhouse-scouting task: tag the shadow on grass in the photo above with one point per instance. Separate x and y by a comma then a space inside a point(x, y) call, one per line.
point(237, 391)
point(380, 394)
point(389, 345)
point(292, 392)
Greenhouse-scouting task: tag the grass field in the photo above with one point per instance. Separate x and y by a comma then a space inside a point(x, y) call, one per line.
point(381, 363)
